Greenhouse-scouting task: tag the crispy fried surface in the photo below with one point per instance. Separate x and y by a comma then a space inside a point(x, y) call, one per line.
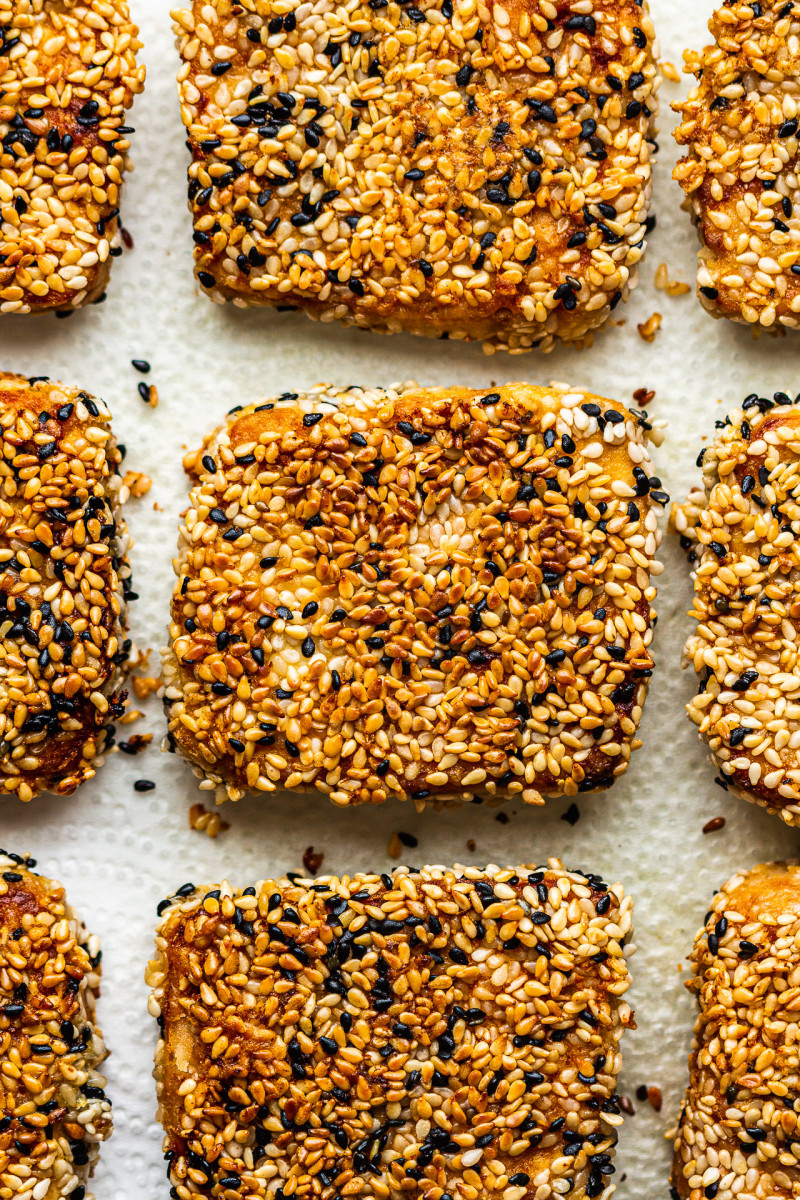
point(741, 126)
point(62, 570)
point(426, 594)
point(737, 1133)
point(68, 72)
point(482, 172)
point(53, 1110)
point(316, 1027)
point(742, 532)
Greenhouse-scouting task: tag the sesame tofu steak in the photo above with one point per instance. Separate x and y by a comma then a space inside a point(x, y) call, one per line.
point(53, 1107)
point(443, 168)
point(429, 1033)
point(738, 1129)
point(64, 577)
point(434, 595)
point(741, 530)
point(740, 124)
point(68, 72)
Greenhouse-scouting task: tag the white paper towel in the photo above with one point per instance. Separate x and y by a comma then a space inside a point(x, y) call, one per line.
point(119, 851)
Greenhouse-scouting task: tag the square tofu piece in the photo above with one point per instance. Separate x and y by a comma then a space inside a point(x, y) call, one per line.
point(69, 74)
point(741, 532)
point(739, 125)
point(53, 1108)
point(737, 1133)
point(426, 594)
point(63, 582)
point(446, 168)
point(434, 1032)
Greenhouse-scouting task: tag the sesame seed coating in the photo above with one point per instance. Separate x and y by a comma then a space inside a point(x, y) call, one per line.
point(67, 74)
point(63, 583)
point(741, 126)
point(444, 1032)
point(434, 595)
point(53, 1107)
point(445, 168)
point(737, 1137)
point(741, 530)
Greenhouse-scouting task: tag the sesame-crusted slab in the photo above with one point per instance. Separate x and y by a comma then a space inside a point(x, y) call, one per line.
point(68, 72)
point(431, 594)
point(740, 124)
point(443, 168)
point(737, 1135)
point(741, 531)
point(436, 1032)
point(53, 1108)
point(63, 581)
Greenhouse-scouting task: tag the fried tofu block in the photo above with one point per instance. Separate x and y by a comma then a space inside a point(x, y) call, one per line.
point(377, 1026)
point(426, 594)
point(738, 1129)
point(63, 582)
point(443, 168)
point(741, 530)
point(53, 1108)
point(740, 124)
point(69, 72)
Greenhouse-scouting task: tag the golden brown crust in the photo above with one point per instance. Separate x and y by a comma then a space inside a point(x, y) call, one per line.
point(62, 578)
point(440, 169)
point(53, 1109)
point(742, 533)
point(428, 594)
point(737, 1132)
point(313, 1029)
point(67, 74)
point(740, 124)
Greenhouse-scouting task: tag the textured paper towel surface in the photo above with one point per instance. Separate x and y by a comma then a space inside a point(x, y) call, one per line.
point(119, 852)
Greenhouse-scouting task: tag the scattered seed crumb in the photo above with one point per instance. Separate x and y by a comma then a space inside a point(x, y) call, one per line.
point(395, 847)
point(670, 72)
point(572, 815)
point(654, 1098)
point(144, 686)
point(643, 396)
point(209, 823)
point(137, 484)
point(313, 859)
point(149, 393)
point(471, 845)
point(641, 1092)
point(649, 328)
point(673, 287)
point(133, 714)
point(502, 818)
point(143, 785)
point(626, 1106)
point(141, 365)
point(408, 839)
point(135, 743)
point(714, 825)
